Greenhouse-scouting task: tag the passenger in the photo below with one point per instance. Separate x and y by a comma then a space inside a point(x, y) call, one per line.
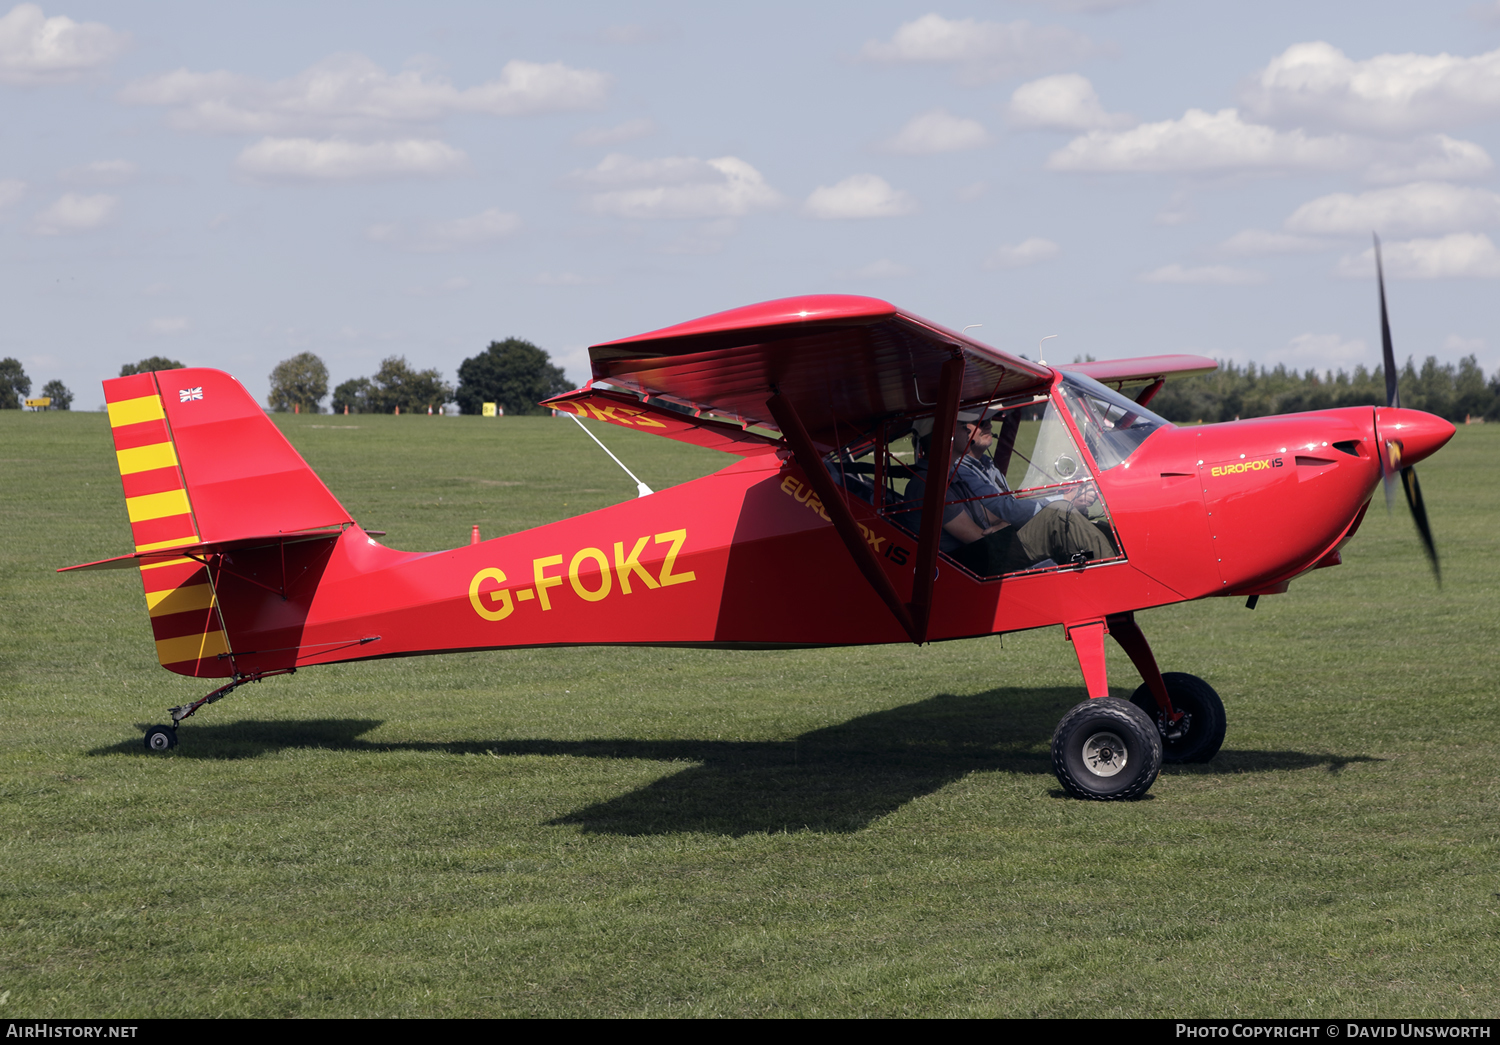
point(990, 531)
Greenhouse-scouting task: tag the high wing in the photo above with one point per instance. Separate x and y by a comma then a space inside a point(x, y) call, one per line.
point(842, 362)
point(1151, 371)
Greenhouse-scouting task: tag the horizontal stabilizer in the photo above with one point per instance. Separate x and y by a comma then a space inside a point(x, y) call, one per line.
point(127, 562)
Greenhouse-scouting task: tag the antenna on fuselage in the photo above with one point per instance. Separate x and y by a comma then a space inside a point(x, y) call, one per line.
point(641, 489)
point(1039, 345)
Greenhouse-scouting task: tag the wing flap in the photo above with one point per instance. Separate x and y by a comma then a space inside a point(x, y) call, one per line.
point(619, 408)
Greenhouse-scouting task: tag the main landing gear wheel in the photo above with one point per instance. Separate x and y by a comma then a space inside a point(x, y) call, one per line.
point(1106, 749)
point(161, 738)
point(1198, 735)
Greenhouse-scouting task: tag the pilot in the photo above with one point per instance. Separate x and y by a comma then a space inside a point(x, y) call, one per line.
point(992, 532)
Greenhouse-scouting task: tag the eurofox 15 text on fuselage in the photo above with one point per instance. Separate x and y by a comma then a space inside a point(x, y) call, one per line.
point(825, 532)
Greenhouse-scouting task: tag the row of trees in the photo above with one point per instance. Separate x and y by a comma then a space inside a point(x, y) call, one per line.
point(15, 386)
point(513, 373)
point(395, 386)
point(1458, 393)
point(517, 374)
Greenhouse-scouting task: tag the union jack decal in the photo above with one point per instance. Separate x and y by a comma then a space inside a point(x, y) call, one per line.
point(186, 394)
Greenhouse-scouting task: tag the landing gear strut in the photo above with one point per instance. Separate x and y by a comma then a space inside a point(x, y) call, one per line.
point(164, 738)
point(1199, 732)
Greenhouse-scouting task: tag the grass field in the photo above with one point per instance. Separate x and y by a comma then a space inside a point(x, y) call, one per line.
point(677, 832)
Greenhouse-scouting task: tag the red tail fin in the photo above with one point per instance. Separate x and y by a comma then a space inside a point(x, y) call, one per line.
point(201, 462)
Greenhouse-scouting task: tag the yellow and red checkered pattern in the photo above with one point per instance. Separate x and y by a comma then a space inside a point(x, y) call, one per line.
point(179, 592)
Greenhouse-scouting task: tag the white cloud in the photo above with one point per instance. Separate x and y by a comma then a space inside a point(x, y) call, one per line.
point(885, 268)
point(1252, 243)
point(441, 237)
point(1023, 255)
point(1321, 352)
point(674, 187)
point(338, 159)
point(981, 51)
point(75, 213)
point(602, 137)
point(1457, 344)
point(1317, 85)
point(35, 49)
point(937, 131)
point(1201, 142)
point(348, 93)
point(100, 172)
point(1222, 143)
point(1204, 275)
point(859, 196)
point(1423, 207)
point(1066, 102)
point(1429, 158)
point(1463, 255)
point(166, 326)
point(11, 191)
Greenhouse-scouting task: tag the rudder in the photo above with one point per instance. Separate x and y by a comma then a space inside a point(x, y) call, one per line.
point(201, 463)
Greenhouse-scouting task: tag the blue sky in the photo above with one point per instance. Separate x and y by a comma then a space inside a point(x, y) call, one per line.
point(232, 185)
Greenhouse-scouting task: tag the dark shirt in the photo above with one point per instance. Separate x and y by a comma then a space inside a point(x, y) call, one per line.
point(977, 484)
point(983, 480)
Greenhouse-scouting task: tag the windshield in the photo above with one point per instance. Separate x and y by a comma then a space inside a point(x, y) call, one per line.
point(1111, 424)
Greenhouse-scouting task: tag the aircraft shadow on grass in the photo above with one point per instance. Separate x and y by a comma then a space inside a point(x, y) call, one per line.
point(837, 779)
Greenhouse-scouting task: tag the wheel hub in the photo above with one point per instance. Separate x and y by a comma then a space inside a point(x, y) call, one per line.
point(1104, 754)
point(1173, 731)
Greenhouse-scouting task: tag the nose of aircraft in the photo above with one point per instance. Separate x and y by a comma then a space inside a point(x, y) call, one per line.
point(1420, 434)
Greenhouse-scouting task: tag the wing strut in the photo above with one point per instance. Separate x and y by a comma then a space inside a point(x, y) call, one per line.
point(838, 510)
point(939, 461)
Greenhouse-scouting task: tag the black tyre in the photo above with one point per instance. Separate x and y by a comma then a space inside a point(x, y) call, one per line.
point(1199, 734)
point(1106, 749)
point(161, 738)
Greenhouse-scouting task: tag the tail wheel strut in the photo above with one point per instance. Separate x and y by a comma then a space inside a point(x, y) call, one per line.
point(164, 738)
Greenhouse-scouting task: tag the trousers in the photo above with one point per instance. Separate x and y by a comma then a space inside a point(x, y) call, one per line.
point(1057, 532)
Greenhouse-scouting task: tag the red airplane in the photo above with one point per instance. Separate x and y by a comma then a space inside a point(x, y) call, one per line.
point(825, 532)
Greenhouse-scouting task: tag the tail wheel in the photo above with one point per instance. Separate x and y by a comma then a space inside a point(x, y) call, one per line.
point(161, 738)
point(1106, 749)
point(1198, 735)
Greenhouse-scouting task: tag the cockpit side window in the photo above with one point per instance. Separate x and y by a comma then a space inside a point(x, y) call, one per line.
point(1019, 495)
